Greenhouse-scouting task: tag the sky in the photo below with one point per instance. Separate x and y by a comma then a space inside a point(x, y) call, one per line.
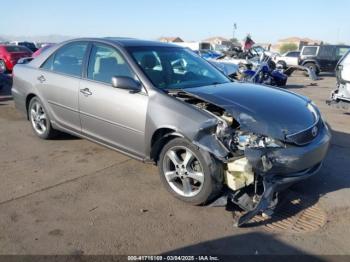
point(193, 20)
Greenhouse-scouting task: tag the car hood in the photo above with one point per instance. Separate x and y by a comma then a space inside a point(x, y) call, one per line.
point(260, 109)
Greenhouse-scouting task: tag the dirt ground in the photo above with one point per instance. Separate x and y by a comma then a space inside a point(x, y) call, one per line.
point(71, 196)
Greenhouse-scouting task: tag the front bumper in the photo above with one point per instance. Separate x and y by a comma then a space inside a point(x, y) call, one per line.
point(280, 168)
point(292, 159)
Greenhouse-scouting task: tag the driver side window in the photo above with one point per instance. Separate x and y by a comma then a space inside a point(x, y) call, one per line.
point(106, 62)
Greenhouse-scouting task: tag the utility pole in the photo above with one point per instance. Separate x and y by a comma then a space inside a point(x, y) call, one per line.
point(234, 30)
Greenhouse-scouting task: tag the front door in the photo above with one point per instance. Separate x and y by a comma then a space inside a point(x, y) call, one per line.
point(113, 116)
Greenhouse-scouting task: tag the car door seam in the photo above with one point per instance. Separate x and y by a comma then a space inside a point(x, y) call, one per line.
point(111, 122)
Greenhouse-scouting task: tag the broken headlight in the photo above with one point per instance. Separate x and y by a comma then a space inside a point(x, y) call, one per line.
point(222, 129)
point(250, 140)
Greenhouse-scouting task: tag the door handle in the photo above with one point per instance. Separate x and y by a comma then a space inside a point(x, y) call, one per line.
point(86, 92)
point(41, 79)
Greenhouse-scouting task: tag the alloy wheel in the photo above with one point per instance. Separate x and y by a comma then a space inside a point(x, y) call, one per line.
point(38, 118)
point(183, 171)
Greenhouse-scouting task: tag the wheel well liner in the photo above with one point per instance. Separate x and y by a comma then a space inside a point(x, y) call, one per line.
point(160, 137)
point(28, 98)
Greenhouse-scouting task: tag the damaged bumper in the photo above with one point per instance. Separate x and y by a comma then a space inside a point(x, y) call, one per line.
point(272, 184)
point(292, 159)
point(278, 169)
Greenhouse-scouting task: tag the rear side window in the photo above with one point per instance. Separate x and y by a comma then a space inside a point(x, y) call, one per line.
point(106, 62)
point(16, 48)
point(327, 52)
point(294, 54)
point(67, 60)
point(310, 50)
point(48, 63)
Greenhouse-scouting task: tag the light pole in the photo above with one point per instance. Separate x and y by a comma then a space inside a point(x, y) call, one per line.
point(234, 30)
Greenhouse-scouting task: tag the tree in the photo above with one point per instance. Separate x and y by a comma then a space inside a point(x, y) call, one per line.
point(288, 47)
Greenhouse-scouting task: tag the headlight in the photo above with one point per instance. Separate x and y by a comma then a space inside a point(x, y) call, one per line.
point(222, 129)
point(256, 141)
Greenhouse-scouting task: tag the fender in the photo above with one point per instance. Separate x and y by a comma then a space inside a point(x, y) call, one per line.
point(311, 60)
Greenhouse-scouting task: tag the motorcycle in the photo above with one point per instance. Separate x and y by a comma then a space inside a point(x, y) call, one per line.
point(265, 72)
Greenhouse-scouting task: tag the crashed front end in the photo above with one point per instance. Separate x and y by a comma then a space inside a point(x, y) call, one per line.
point(258, 166)
point(272, 164)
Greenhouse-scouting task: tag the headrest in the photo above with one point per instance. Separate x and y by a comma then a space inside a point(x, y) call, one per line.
point(68, 60)
point(107, 64)
point(148, 61)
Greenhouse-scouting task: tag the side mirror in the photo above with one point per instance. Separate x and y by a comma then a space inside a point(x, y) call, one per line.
point(128, 83)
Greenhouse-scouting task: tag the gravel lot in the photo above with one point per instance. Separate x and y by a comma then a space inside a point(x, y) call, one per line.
point(71, 196)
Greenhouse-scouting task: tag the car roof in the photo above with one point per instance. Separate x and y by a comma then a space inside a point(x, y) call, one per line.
point(126, 42)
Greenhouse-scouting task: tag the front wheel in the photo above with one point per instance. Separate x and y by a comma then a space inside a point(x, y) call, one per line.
point(189, 173)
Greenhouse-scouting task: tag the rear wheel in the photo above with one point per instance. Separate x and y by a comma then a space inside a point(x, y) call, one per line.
point(40, 119)
point(188, 173)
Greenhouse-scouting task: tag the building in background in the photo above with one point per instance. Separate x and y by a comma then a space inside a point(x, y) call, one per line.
point(298, 41)
point(170, 39)
point(218, 40)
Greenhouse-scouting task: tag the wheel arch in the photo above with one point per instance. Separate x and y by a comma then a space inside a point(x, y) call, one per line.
point(29, 97)
point(160, 137)
point(311, 62)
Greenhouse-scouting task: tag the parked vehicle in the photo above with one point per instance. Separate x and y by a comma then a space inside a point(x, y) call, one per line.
point(42, 49)
point(5, 80)
point(261, 71)
point(10, 54)
point(341, 96)
point(323, 58)
point(208, 54)
point(30, 45)
point(263, 74)
point(2, 80)
point(202, 130)
point(288, 59)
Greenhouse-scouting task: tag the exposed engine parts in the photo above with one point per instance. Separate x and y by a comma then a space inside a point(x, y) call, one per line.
point(246, 187)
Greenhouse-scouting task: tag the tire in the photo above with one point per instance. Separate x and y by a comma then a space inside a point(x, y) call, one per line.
point(283, 64)
point(3, 68)
point(196, 181)
point(312, 66)
point(40, 120)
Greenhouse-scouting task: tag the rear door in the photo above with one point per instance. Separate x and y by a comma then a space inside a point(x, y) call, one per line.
point(113, 116)
point(291, 58)
point(327, 58)
point(58, 81)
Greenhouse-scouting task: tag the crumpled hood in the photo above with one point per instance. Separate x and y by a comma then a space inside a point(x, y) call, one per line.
point(260, 109)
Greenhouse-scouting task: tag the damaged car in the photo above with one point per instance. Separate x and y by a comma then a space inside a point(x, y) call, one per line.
point(163, 104)
point(340, 97)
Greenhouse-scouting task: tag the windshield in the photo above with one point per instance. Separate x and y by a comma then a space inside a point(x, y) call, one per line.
point(175, 68)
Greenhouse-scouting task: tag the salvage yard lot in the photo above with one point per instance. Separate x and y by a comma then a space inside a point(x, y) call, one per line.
point(71, 196)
